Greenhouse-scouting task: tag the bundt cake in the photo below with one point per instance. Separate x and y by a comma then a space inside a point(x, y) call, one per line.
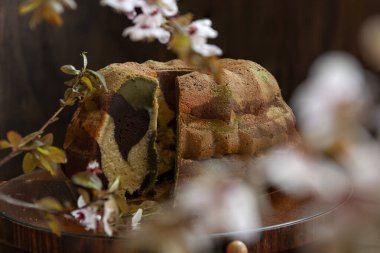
point(161, 118)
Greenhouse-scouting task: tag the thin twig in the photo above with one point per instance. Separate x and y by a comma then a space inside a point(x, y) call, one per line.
point(52, 119)
point(15, 153)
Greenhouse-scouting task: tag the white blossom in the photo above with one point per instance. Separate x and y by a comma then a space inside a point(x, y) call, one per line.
point(80, 202)
point(137, 33)
point(151, 20)
point(147, 32)
point(329, 104)
point(220, 205)
point(94, 167)
point(128, 7)
point(300, 175)
point(88, 217)
point(167, 8)
point(69, 3)
point(56, 6)
point(136, 218)
point(362, 162)
point(199, 31)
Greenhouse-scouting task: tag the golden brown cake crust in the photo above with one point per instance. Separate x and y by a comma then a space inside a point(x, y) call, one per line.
point(243, 114)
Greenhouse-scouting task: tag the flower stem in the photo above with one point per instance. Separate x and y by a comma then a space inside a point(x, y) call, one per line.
point(52, 119)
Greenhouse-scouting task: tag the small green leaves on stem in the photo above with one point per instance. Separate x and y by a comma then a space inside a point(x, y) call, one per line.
point(17, 142)
point(85, 83)
point(41, 154)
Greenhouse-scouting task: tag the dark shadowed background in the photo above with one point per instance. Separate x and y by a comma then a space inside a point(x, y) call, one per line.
point(284, 36)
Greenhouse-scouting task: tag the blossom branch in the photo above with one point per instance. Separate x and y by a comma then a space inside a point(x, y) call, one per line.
point(159, 20)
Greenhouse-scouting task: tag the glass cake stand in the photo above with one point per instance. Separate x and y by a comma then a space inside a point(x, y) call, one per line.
point(289, 226)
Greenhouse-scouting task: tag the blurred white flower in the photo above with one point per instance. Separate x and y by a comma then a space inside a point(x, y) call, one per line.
point(69, 4)
point(111, 213)
point(87, 217)
point(167, 8)
point(219, 205)
point(55, 6)
point(362, 161)
point(94, 167)
point(148, 26)
point(153, 19)
point(136, 218)
point(80, 202)
point(330, 102)
point(302, 176)
point(137, 33)
point(128, 7)
point(199, 31)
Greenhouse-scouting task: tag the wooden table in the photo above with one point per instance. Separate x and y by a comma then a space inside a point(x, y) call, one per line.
point(291, 225)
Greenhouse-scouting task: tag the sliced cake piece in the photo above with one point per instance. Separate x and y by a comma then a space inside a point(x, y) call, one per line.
point(120, 131)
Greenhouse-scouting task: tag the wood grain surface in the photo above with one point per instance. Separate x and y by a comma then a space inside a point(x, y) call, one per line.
point(284, 36)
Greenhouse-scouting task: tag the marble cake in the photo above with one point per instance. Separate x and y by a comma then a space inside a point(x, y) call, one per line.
point(161, 118)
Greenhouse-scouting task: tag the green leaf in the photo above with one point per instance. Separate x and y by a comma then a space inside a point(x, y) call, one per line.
point(85, 61)
point(115, 185)
point(29, 163)
point(70, 70)
point(48, 139)
point(99, 77)
point(87, 82)
point(87, 180)
point(43, 151)
point(4, 144)
point(56, 155)
point(29, 6)
point(14, 138)
point(50, 204)
point(52, 223)
point(181, 45)
point(45, 164)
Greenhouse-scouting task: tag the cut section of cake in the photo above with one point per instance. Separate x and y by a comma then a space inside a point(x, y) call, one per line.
point(120, 131)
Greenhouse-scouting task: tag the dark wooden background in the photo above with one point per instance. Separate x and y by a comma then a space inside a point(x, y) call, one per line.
point(284, 36)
